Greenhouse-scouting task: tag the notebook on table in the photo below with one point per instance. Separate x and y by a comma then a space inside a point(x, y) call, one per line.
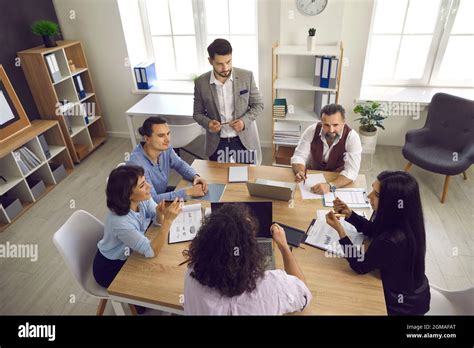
point(239, 174)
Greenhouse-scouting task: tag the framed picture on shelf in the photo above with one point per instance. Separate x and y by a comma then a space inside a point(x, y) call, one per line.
point(12, 115)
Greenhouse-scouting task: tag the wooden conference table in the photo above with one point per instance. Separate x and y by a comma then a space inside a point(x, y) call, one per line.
point(337, 290)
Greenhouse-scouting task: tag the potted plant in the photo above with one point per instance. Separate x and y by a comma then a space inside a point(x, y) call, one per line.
point(371, 118)
point(47, 30)
point(311, 43)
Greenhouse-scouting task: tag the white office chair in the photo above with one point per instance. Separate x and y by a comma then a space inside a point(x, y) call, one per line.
point(76, 241)
point(183, 135)
point(446, 302)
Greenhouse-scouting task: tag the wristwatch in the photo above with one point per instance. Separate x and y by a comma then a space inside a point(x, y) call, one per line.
point(332, 187)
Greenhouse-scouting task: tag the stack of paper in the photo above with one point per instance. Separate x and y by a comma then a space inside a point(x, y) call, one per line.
point(323, 236)
point(239, 174)
point(287, 133)
point(353, 197)
point(311, 180)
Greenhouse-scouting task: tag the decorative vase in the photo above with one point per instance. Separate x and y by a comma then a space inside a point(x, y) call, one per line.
point(49, 41)
point(311, 43)
point(368, 141)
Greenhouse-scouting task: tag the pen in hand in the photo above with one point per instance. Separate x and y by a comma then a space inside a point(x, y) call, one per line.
point(305, 172)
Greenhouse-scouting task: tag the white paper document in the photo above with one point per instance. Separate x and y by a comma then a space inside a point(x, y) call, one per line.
point(323, 236)
point(6, 113)
point(353, 197)
point(311, 180)
point(239, 174)
point(321, 214)
point(187, 224)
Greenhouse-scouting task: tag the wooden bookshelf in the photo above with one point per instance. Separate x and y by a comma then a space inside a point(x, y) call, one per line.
point(16, 185)
point(81, 120)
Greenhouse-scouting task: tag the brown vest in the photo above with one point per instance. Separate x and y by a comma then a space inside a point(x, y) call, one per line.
point(335, 161)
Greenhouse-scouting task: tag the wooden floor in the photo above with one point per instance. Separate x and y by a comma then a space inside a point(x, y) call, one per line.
point(47, 287)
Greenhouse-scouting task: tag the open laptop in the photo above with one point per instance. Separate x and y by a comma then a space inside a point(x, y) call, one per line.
point(279, 190)
point(263, 212)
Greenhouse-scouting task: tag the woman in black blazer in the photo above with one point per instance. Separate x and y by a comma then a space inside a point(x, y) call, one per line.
point(398, 244)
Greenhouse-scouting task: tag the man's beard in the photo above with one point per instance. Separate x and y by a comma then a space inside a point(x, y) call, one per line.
point(334, 137)
point(224, 74)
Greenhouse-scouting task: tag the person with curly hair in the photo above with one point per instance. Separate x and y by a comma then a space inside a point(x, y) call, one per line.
point(226, 273)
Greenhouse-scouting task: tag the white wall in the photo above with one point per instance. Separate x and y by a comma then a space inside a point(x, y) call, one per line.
point(268, 33)
point(354, 35)
point(348, 21)
point(295, 31)
point(98, 26)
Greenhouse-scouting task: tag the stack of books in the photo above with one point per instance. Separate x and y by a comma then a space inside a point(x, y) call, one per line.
point(287, 133)
point(26, 159)
point(280, 108)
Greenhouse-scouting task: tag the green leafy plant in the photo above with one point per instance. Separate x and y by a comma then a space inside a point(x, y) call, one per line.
point(371, 113)
point(45, 28)
point(312, 31)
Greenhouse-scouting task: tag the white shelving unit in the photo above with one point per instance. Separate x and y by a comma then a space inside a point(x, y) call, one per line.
point(16, 184)
point(301, 115)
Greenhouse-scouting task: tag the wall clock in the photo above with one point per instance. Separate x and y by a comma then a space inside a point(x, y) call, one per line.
point(311, 7)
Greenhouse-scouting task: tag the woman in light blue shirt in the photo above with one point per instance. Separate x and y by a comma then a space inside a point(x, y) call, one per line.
point(131, 211)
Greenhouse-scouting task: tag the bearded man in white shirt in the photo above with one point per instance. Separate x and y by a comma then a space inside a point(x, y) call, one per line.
point(330, 145)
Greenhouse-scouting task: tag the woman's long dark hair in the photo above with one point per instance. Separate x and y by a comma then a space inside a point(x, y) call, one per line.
point(120, 186)
point(400, 212)
point(224, 254)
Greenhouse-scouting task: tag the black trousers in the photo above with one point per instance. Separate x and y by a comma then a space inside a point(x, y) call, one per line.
point(233, 148)
point(105, 270)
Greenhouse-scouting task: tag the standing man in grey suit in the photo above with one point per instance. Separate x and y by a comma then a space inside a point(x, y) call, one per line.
point(226, 104)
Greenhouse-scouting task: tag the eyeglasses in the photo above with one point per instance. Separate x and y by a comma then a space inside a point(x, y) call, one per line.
point(377, 194)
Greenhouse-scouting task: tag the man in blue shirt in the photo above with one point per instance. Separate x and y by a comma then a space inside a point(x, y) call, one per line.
point(157, 157)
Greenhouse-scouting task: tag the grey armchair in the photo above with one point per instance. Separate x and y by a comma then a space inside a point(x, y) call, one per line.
point(445, 145)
